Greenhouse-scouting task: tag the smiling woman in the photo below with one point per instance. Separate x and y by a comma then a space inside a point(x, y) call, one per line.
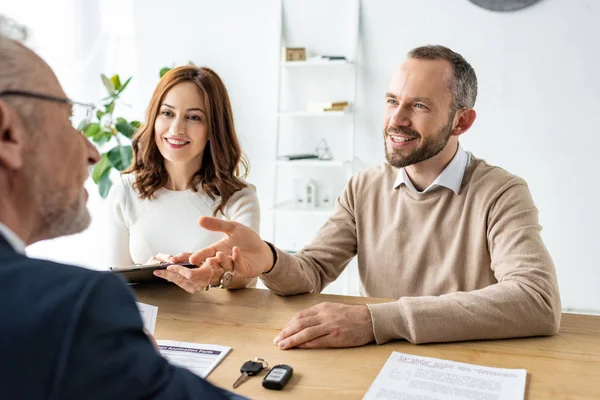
point(187, 163)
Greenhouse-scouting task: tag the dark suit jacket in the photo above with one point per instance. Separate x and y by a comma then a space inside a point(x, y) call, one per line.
point(71, 333)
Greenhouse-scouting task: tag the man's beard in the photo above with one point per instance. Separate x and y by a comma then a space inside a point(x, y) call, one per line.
point(429, 147)
point(59, 218)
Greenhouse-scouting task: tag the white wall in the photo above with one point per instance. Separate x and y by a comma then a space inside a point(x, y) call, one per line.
point(537, 107)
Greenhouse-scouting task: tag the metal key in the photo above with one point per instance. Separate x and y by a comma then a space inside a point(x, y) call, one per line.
point(250, 368)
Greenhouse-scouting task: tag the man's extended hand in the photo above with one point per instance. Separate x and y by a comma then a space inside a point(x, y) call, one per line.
point(241, 249)
point(328, 325)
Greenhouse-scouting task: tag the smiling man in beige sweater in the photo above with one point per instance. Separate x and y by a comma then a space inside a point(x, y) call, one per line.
point(455, 240)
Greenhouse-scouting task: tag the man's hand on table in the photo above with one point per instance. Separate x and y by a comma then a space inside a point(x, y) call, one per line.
point(327, 325)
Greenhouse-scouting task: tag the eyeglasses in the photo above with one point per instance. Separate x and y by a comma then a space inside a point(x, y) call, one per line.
point(82, 112)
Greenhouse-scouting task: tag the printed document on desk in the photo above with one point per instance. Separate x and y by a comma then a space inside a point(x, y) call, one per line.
point(409, 377)
point(148, 314)
point(201, 359)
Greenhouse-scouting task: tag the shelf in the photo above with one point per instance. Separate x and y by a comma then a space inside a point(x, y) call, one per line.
point(295, 208)
point(305, 89)
point(314, 113)
point(316, 63)
point(312, 163)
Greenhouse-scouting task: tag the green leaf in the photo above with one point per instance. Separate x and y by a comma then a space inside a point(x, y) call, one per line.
point(101, 140)
point(104, 185)
point(101, 168)
point(103, 136)
point(163, 71)
point(110, 88)
point(100, 114)
point(82, 126)
point(135, 124)
point(125, 128)
point(122, 87)
point(110, 107)
point(120, 157)
point(92, 130)
point(116, 81)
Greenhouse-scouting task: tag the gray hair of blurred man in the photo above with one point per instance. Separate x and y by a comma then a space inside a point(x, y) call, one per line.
point(15, 72)
point(11, 29)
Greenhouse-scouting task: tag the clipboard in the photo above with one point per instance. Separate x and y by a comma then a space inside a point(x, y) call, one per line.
point(143, 273)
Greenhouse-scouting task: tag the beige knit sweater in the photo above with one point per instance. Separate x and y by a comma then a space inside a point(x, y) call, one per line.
point(463, 266)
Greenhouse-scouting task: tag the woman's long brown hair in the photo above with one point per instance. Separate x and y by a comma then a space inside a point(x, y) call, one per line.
point(219, 175)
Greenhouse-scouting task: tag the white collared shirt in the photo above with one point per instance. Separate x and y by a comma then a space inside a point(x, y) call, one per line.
point(451, 177)
point(12, 239)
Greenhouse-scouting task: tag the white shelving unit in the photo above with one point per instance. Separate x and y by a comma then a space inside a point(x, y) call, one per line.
point(319, 114)
point(293, 208)
point(299, 130)
point(317, 63)
point(313, 163)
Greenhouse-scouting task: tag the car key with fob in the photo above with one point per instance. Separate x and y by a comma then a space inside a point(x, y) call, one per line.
point(250, 368)
point(277, 377)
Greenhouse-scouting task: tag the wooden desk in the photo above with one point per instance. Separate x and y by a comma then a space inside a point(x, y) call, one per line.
point(565, 366)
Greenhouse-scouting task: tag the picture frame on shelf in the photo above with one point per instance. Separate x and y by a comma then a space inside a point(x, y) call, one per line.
point(294, 54)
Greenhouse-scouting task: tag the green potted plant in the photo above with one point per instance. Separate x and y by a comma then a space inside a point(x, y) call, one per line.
point(107, 130)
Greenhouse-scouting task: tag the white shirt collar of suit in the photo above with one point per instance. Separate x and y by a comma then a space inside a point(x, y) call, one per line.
point(12, 239)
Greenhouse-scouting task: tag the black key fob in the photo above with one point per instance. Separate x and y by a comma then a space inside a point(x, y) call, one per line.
point(277, 377)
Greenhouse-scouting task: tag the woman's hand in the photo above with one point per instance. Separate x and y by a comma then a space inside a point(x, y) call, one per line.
point(208, 272)
point(191, 280)
point(159, 258)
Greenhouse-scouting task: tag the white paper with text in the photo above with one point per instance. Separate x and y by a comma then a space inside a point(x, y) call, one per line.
point(201, 359)
point(408, 377)
point(148, 314)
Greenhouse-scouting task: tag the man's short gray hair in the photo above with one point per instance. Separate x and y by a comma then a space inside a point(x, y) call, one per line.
point(15, 67)
point(12, 30)
point(11, 51)
point(464, 85)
